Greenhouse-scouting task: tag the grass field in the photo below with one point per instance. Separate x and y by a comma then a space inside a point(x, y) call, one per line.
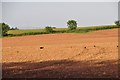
point(25, 31)
point(32, 30)
point(59, 30)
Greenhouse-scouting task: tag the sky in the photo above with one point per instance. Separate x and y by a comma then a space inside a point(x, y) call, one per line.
point(32, 15)
point(119, 11)
point(0, 12)
point(60, 0)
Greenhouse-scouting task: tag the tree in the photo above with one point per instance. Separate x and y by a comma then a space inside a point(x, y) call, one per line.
point(117, 23)
point(72, 24)
point(16, 28)
point(49, 29)
point(12, 28)
point(4, 28)
point(54, 27)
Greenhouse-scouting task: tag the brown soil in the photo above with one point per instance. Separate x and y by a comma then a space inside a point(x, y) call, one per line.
point(70, 55)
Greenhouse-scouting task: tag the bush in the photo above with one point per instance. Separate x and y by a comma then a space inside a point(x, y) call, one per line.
point(15, 28)
point(72, 24)
point(12, 28)
point(49, 29)
point(4, 28)
point(117, 23)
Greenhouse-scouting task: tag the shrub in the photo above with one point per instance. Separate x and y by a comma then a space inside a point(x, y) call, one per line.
point(49, 29)
point(16, 28)
point(117, 23)
point(4, 28)
point(12, 28)
point(72, 24)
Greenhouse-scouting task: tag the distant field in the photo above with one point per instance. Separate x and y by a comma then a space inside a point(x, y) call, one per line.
point(59, 30)
point(25, 31)
point(31, 30)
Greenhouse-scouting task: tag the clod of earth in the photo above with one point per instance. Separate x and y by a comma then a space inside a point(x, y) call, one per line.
point(41, 47)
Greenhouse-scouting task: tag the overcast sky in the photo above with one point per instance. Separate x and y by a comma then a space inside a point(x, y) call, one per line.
point(0, 12)
point(40, 14)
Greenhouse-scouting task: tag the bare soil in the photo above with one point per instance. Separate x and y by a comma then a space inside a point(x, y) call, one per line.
point(68, 55)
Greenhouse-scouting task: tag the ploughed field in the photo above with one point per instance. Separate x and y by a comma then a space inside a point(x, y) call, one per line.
point(67, 55)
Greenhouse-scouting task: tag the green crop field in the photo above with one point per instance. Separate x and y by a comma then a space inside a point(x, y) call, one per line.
point(25, 31)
